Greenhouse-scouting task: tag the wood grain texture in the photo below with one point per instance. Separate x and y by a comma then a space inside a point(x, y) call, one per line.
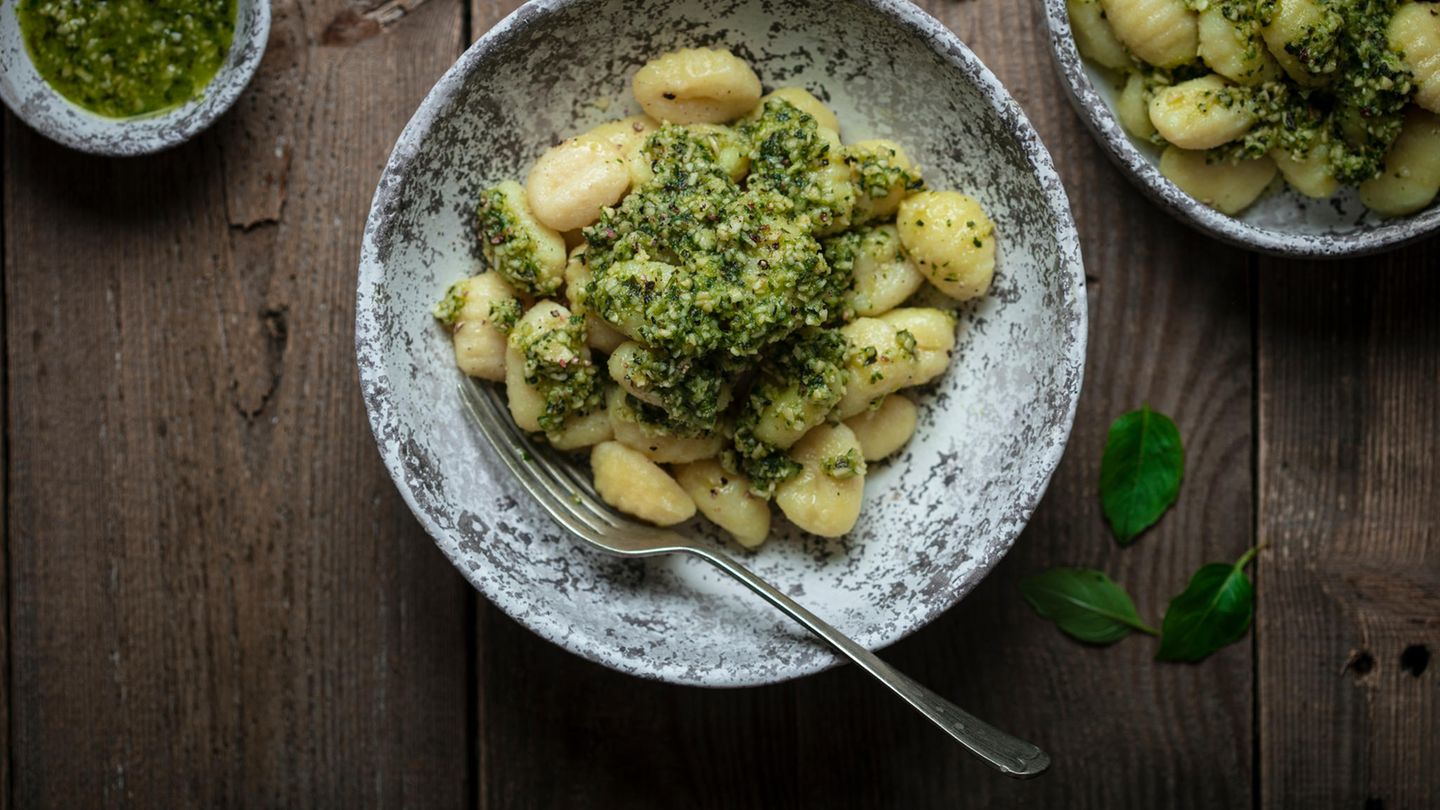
point(1170, 316)
point(1349, 371)
point(5, 124)
point(218, 599)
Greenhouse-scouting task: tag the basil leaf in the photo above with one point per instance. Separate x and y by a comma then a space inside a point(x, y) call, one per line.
point(1083, 603)
point(1214, 610)
point(1140, 472)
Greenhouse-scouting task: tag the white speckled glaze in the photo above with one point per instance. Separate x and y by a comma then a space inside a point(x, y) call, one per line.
point(50, 114)
point(936, 518)
point(1281, 223)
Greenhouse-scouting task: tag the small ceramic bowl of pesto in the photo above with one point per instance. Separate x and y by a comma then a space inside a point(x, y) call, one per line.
point(127, 77)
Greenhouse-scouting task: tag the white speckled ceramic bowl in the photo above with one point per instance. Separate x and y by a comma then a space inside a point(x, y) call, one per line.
point(936, 518)
point(55, 117)
point(1281, 223)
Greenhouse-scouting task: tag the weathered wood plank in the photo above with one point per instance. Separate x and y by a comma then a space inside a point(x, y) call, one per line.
point(1170, 317)
point(219, 599)
point(6, 123)
point(1349, 376)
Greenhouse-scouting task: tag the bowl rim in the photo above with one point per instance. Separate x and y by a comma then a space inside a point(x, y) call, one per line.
point(374, 378)
point(1102, 123)
point(191, 117)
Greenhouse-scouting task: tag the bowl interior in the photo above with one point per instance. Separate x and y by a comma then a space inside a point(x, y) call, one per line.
point(52, 115)
point(935, 518)
point(1282, 222)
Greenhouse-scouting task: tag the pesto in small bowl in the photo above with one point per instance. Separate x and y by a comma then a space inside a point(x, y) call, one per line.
point(123, 58)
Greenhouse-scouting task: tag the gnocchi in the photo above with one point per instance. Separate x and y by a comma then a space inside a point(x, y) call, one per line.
point(1202, 113)
point(952, 240)
point(882, 175)
point(721, 287)
point(696, 86)
point(1412, 168)
point(1228, 187)
point(824, 498)
point(1234, 48)
point(629, 427)
point(569, 184)
point(1133, 108)
point(883, 275)
point(1414, 31)
point(1164, 33)
point(1093, 36)
point(725, 499)
point(883, 430)
point(480, 311)
point(933, 333)
point(524, 251)
point(638, 486)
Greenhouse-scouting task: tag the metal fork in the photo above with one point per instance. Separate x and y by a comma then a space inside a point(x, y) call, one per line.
point(571, 500)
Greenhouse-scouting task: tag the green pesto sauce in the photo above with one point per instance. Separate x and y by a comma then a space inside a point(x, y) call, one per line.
point(122, 58)
point(708, 273)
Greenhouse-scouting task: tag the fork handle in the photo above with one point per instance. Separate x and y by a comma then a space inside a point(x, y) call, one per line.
point(1010, 755)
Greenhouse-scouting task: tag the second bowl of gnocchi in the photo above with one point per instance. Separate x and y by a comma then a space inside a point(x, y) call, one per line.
point(1306, 128)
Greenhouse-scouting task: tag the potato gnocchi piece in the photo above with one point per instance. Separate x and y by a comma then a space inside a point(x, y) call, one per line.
point(652, 439)
point(883, 276)
point(1225, 186)
point(524, 251)
point(949, 236)
point(883, 175)
point(1302, 35)
point(1235, 49)
point(582, 431)
point(824, 498)
point(1310, 174)
point(1415, 32)
point(1412, 168)
point(933, 331)
point(571, 182)
point(548, 373)
point(1133, 107)
point(882, 360)
point(1164, 33)
point(1094, 37)
point(725, 499)
point(480, 311)
point(696, 86)
point(882, 431)
point(635, 485)
point(600, 335)
point(805, 101)
point(1201, 113)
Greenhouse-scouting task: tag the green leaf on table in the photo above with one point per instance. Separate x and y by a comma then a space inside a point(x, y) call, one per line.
point(1140, 472)
point(1083, 603)
point(1214, 610)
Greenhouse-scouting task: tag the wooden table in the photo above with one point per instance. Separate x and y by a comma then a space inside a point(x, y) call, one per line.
point(215, 597)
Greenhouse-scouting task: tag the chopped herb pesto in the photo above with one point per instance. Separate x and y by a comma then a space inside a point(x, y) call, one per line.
point(447, 309)
point(846, 465)
point(122, 58)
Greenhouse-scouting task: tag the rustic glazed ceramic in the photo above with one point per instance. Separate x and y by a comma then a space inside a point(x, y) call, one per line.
point(1283, 222)
point(936, 518)
point(50, 114)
